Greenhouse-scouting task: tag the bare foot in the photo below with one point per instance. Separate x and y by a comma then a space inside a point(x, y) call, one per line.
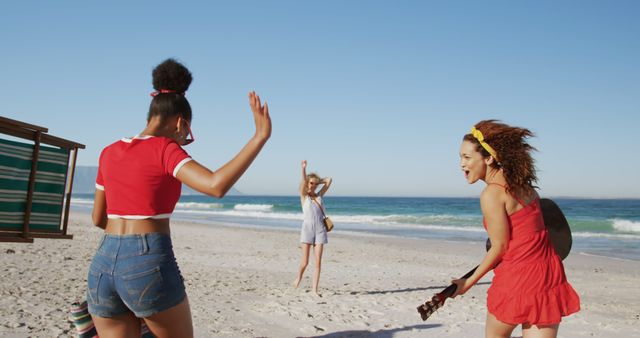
point(296, 283)
point(318, 294)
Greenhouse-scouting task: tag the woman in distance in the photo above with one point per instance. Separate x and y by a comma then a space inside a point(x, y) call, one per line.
point(313, 232)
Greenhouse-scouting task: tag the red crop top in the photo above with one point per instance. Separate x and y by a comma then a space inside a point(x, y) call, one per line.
point(138, 177)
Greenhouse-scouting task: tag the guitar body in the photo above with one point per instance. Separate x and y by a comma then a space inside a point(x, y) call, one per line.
point(558, 227)
point(559, 235)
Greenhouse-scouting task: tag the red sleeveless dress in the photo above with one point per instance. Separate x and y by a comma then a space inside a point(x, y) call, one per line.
point(529, 284)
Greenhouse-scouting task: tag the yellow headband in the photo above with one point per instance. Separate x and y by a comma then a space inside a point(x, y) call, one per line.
point(478, 135)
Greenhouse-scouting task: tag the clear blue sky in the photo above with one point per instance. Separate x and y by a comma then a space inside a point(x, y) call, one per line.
point(376, 94)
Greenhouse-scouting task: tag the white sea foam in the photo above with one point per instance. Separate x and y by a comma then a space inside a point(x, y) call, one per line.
point(608, 257)
point(185, 205)
point(626, 225)
point(441, 217)
point(338, 219)
point(195, 205)
point(403, 220)
point(253, 207)
point(605, 235)
point(428, 219)
point(433, 222)
point(243, 213)
point(81, 201)
point(444, 227)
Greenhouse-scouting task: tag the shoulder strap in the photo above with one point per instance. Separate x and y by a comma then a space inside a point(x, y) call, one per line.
point(320, 205)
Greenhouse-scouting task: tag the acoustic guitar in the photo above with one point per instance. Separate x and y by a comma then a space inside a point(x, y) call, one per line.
point(559, 233)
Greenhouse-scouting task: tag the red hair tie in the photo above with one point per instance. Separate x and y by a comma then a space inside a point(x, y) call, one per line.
point(164, 91)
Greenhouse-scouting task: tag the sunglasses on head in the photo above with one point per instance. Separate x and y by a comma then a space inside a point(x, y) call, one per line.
point(190, 139)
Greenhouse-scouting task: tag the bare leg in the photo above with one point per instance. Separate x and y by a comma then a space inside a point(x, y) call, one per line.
point(497, 329)
point(303, 264)
point(124, 325)
point(317, 250)
point(540, 331)
point(173, 322)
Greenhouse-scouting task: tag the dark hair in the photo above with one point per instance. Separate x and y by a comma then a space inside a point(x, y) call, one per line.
point(170, 76)
point(513, 152)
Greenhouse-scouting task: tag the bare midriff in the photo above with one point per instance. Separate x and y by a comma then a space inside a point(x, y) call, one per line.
point(123, 226)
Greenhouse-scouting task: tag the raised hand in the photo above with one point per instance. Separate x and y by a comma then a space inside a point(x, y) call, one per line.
point(304, 164)
point(260, 116)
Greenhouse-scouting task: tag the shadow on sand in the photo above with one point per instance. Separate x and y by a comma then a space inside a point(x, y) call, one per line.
point(377, 334)
point(440, 287)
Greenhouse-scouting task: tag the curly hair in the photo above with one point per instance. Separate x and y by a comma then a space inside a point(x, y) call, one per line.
point(513, 152)
point(171, 79)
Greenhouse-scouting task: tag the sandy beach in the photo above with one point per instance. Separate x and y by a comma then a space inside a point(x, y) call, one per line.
point(239, 285)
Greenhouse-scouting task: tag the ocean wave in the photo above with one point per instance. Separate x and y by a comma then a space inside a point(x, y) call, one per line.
point(195, 205)
point(185, 205)
point(244, 213)
point(267, 211)
point(338, 219)
point(624, 225)
point(253, 207)
point(251, 211)
point(444, 227)
point(82, 201)
point(605, 235)
point(431, 219)
point(403, 219)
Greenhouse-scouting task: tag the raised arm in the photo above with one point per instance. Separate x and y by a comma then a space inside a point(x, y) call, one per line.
point(218, 183)
point(303, 182)
point(326, 183)
point(494, 212)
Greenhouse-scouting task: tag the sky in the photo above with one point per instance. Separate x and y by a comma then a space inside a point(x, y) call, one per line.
point(375, 94)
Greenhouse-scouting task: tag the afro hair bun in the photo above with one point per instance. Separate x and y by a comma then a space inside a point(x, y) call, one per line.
point(171, 75)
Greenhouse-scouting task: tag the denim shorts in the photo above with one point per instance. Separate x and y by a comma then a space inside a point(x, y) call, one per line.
point(136, 273)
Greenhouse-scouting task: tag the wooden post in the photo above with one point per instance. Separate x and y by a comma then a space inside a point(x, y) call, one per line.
point(67, 203)
point(32, 184)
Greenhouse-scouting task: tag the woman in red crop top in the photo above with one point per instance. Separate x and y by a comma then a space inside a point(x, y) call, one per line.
point(134, 273)
point(529, 287)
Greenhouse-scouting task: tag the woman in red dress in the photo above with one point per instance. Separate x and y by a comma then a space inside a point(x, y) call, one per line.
point(529, 285)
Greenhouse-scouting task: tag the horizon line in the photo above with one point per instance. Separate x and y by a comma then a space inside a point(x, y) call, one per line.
point(397, 196)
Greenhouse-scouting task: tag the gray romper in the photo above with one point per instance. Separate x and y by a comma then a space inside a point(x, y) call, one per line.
point(313, 230)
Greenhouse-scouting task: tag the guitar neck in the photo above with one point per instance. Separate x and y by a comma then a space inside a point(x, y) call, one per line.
point(451, 289)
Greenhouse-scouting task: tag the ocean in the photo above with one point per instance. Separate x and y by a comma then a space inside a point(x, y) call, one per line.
point(603, 227)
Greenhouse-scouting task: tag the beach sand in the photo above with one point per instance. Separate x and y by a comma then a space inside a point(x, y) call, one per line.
point(239, 285)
